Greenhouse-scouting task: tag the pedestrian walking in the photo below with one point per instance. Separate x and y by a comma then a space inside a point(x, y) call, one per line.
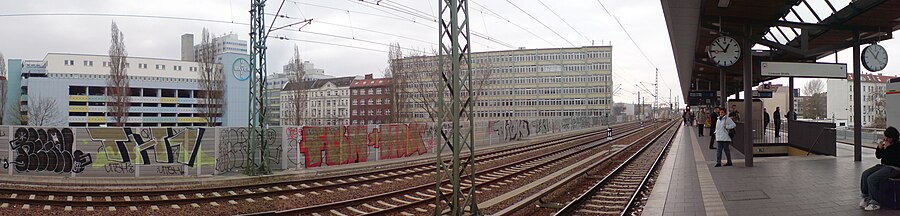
point(701, 119)
point(735, 115)
point(889, 153)
point(723, 136)
point(765, 120)
point(777, 116)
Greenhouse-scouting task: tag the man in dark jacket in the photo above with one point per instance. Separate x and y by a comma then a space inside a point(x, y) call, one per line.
point(712, 126)
point(765, 120)
point(889, 153)
point(777, 116)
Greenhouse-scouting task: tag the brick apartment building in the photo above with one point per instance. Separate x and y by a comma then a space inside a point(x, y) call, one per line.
point(370, 101)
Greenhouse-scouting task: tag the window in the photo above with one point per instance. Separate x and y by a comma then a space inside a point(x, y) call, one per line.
point(378, 91)
point(69, 62)
point(88, 63)
point(355, 92)
point(105, 64)
point(160, 67)
point(142, 66)
point(370, 91)
point(176, 67)
point(378, 102)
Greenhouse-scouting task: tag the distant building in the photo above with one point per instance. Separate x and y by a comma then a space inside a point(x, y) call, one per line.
point(310, 71)
point(164, 92)
point(522, 84)
point(840, 105)
point(275, 83)
point(370, 101)
point(780, 97)
point(328, 101)
point(224, 44)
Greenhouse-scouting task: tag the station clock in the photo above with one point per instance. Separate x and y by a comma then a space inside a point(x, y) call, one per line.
point(874, 58)
point(724, 51)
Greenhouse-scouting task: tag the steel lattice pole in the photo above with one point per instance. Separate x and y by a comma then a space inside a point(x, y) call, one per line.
point(258, 100)
point(458, 137)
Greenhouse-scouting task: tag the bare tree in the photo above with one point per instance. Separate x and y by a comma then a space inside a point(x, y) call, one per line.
point(118, 90)
point(814, 105)
point(298, 96)
point(399, 82)
point(42, 111)
point(876, 105)
point(424, 79)
point(4, 87)
point(211, 79)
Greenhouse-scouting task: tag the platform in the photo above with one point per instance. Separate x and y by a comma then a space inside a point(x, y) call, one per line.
point(689, 184)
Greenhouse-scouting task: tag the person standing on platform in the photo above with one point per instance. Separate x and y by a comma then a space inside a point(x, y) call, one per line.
point(701, 118)
point(686, 115)
point(765, 120)
point(889, 153)
point(735, 115)
point(723, 137)
point(777, 116)
point(712, 126)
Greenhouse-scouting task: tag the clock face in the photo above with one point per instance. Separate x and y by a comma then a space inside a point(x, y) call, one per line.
point(241, 69)
point(724, 51)
point(874, 58)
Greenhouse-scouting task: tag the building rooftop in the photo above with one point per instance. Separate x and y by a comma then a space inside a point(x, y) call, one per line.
point(314, 84)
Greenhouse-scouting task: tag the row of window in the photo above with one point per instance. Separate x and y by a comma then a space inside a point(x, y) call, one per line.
point(371, 102)
point(371, 91)
point(531, 102)
point(138, 92)
point(569, 55)
point(362, 122)
point(371, 112)
point(89, 63)
point(428, 75)
point(515, 114)
point(130, 77)
point(105, 114)
point(528, 80)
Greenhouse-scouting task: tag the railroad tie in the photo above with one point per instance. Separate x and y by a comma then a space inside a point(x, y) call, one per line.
point(406, 214)
point(200, 195)
point(354, 187)
point(335, 212)
point(263, 190)
point(250, 200)
point(292, 187)
point(213, 203)
point(305, 186)
point(164, 197)
point(248, 191)
point(133, 208)
point(372, 207)
point(232, 193)
point(46, 207)
point(413, 198)
point(154, 207)
point(353, 179)
point(108, 199)
point(146, 198)
point(127, 198)
point(90, 208)
point(112, 208)
point(31, 197)
point(4, 205)
point(68, 208)
point(421, 210)
point(400, 201)
point(68, 198)
point(329, 183)
point(329, 191)
point(175, 206)
point(387, 204)
point(277, 188)
point(341, 181)
point(299, 195)
point(267, 198)
point(282, 197)
point(356, 210)
point(195, 205)
point(318, 184)
point(342, 189)
point(232, 202)
point(216, 194)
point(89, 198)
point(50, 197)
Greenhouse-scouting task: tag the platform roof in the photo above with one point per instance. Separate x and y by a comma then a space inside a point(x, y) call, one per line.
point(793, 30)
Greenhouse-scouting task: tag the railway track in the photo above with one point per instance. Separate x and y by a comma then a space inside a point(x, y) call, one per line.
point(331, 186)
point(417, 200)
point(554, 194)
point(620, 192)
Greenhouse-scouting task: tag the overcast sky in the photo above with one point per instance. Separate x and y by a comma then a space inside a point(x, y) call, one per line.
point(32, 37)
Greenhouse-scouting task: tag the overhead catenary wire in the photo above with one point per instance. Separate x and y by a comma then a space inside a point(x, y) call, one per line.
point(498, 16)
point(542, 23)
point(564, 20)
point(359, 28)
point(327, 43)
point(627, 34)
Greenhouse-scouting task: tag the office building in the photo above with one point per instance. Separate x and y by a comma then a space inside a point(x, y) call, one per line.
point(521, 84)
point(839, 105)
point(224, 44)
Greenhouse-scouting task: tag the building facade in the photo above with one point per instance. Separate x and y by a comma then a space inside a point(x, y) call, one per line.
point(327, 102)
point(370, 101)
point(520, 84)
point(229, 43)
point(840, 106)
point(163, 92)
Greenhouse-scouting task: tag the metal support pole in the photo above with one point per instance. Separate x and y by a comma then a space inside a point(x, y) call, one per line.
point(748, 100)
point(258, 99)
point(857, 101)
point(454, 51)
point(722, 95)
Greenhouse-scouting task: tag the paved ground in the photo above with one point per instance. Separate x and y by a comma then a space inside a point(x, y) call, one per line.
point(813, 185)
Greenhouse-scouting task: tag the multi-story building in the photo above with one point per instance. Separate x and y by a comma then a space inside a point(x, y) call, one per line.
point(523, 83)
point(310, 71)
point(163, 92)
point(276, 83)
point(327, 102)
point(224, 44)
point(370, 101)
point(840, 106)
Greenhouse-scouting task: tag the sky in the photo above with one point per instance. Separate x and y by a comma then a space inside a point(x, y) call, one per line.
point(364, 26)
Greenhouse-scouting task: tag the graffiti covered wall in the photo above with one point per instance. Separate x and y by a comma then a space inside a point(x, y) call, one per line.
point(338, 145)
